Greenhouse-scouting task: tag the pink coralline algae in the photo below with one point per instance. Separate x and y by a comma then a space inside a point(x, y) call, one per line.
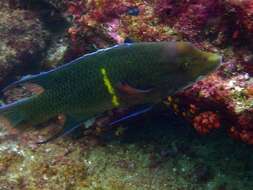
point(112, 20)
point(192, 17)
point(220, 21)
point(189, 17)
point(244, 10)
point(219, 101)
point(92, 13)
point(89, 18)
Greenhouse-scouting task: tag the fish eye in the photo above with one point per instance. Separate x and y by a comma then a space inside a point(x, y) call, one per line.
point(185, 65)
point(205, 59)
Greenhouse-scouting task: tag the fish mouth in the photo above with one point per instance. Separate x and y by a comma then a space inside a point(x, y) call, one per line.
point(219, 64)
point(214, 62)
point(220, 61)
point(216, 59)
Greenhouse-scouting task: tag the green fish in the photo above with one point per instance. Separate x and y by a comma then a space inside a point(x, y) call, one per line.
point(123, 76)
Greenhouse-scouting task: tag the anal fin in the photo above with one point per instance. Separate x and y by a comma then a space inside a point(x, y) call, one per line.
point(137, 111)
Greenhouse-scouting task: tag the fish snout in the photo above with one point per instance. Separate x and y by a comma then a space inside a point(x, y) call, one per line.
point(214, 61)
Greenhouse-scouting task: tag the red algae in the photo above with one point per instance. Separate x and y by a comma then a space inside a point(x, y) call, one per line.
point(206, 121)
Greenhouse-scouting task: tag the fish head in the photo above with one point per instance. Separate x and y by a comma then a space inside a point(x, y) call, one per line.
point(183, 64)
point(193, 64)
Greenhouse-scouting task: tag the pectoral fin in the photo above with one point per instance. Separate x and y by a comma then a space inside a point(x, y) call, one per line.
point(130, 90)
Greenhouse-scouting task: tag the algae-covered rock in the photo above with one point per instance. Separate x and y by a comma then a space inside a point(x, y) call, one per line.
point(151, 155)
point(23, 39)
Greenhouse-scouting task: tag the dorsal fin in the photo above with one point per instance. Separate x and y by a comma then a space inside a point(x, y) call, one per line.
point(38, 79)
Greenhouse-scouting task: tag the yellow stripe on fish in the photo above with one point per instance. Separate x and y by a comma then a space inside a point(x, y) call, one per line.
point(109, 87)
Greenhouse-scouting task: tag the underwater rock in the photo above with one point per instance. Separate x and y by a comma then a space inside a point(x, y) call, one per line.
point(56, 52)
point(206, 121)
point(201, 174)
point(23, 39)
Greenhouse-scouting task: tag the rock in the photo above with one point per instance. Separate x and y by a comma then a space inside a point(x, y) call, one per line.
point(23, 40)
point(56, 53)
point(58, 4)
point(201, 174)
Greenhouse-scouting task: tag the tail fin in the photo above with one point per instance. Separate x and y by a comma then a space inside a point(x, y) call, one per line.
point(12, 115)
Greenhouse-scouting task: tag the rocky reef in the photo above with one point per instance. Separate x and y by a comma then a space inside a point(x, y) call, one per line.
point(23, 39)
point(185, 144)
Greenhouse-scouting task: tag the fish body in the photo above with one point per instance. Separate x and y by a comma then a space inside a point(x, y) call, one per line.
point(121, 76)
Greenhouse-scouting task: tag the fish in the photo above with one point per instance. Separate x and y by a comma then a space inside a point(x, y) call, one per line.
point(138, 75)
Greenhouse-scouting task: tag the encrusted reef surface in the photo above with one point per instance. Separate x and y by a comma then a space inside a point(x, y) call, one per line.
point(23, 39)
point(155, 154)
point(185, 145)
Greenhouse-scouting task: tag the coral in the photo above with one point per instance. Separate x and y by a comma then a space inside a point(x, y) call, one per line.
point(206, 121)
point(243, 135)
